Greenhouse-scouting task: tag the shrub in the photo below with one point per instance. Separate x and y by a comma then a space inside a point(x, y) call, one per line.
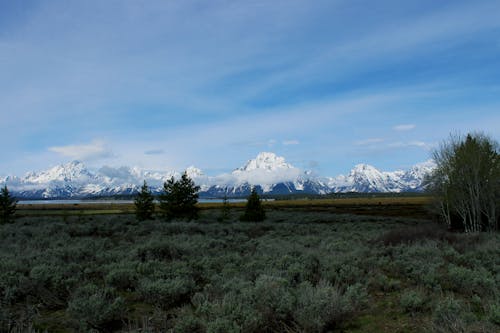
point(166, 293)
point(273, 300)
point(324, 307)
point(384, 283)
point(469, 282)
point(162, 250)
point(96, 308)
point(494, 313)
point(189, 324)
point(122, 278)
point(412, 301)
point(450, 316)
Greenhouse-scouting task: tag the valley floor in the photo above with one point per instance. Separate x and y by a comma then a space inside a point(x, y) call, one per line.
point(302, 270)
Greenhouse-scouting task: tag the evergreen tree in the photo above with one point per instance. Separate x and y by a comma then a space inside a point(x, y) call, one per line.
point(8, 205)
point(224, 213)
point(144, 204)
point(179, 198)
point(253, 210)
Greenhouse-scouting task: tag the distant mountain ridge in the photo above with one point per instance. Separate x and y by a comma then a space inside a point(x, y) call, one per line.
point(270, 173)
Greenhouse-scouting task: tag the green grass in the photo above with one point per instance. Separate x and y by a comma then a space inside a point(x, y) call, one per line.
point(302, 270)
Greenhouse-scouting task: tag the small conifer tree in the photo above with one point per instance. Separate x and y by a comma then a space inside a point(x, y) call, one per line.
point(224, 212)
point(179, 198)
point(144, 204)
point(8, 205)
point(253, 210)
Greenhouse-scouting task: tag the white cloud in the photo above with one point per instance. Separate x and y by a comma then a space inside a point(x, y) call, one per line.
point(154, 152)
point(290, 142)
point(414, 143)
point(368, 141)
point(94, 150)
point(404, 127)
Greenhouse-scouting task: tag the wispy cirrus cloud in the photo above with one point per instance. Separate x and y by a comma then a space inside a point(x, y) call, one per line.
point(290, 142)
point(154, 152)
point(404, 127)
point(91, 151)
point(414, 143)
point(370, 141)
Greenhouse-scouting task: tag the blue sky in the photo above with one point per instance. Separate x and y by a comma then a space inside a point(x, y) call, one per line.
point(168, 84)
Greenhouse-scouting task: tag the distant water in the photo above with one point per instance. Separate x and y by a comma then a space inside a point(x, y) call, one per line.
point(97, 202)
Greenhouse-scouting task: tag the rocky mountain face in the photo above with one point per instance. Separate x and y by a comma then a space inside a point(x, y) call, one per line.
point(271, 174)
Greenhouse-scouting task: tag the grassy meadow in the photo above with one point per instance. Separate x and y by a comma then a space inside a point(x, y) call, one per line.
point(358, 265)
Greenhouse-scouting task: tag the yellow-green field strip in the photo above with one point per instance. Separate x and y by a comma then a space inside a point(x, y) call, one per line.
point(356, 205)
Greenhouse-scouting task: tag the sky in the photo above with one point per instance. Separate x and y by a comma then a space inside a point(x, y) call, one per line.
point(164, 85)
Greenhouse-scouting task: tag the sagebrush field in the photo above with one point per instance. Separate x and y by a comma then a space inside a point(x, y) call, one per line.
point(304, 269)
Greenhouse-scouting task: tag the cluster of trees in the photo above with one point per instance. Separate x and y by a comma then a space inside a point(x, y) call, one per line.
point(466, 183)
point(179, 198)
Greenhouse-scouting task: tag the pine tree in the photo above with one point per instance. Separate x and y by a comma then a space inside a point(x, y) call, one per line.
point(8, 205)
point(144, 204)
point(179, 198)
point(224, 213)
point(253, 210)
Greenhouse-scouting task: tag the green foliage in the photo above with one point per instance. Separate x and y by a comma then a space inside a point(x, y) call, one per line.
point(96, 308)
point(166, 293)
point(253, 209)
point(179, 198)
point(466, 183)
point(494, 313)
point(8, 205)
point(450, 316)
point(469, 281)
point(413, 301)
point(299, 271)
point(324, 307)
point(144, 204)
point(224, 211)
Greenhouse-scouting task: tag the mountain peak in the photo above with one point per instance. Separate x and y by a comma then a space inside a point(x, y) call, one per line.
point(194, 172)
point(266, 161)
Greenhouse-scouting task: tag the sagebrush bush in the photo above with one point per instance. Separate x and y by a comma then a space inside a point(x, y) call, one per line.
point(122, 278)
point(296, 272)
point(494, 313)
point(96, 308)
point(470, 282)
point(413, 301)
point(166, 293)
point(324, 307)
point(273, 300)
point(450, 316)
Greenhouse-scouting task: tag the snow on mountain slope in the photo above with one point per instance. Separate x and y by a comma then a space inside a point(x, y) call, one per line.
point(268, 172)
point(71, 172)
point(265, 170)
point(366, 178)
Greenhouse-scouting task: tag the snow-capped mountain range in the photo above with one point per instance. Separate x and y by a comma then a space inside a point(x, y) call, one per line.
point(271, 174)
